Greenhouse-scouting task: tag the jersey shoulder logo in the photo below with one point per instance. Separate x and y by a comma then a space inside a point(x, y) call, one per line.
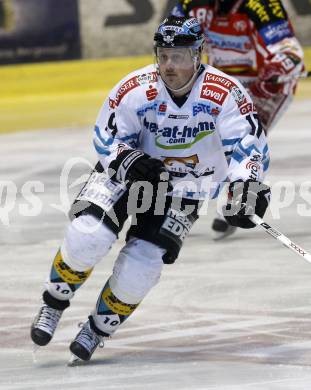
point(213, 93)
point(134, 82)
point(213, 78)
point(216, 88)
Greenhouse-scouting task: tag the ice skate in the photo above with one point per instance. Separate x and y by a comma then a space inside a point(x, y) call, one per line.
point(44, 325)
point(84, 344)
point(222, 229)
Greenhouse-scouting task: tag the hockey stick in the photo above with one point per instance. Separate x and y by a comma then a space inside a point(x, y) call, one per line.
point(281, 237)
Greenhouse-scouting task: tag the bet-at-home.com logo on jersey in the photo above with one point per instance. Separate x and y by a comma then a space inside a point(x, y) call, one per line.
point(179, 138)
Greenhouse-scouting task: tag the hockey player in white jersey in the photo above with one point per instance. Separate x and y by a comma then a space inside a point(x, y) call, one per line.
point(255, 42)
point(167, 136)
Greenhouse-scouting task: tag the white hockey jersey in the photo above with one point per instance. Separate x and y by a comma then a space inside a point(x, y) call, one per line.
point(213, 137)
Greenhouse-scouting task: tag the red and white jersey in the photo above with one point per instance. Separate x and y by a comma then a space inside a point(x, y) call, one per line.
point(239, 42)
point(212, 137)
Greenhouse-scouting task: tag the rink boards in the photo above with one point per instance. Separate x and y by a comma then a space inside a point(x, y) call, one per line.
point(69, 94)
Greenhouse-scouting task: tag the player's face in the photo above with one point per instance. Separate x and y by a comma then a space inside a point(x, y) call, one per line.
point(176, 66)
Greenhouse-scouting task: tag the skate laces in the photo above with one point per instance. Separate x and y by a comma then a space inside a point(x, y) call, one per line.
point(48, 318)
point(88, 338)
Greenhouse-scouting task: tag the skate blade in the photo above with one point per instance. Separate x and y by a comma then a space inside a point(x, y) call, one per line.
point(35, 349)
point(75, 361)
point(218, 236)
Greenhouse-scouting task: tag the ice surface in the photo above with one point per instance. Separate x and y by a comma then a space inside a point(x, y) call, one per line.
point(231, 315)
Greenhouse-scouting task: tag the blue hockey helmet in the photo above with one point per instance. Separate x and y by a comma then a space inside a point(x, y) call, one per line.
point(177, 31)
point(178, 41)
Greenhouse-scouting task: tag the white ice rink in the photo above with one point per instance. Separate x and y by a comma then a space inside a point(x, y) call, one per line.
point(232, 315)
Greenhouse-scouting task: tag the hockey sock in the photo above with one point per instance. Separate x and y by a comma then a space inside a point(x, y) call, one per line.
point(63, 280)
point(110, 312)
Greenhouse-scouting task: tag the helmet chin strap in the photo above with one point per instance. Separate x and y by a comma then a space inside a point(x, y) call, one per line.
point(187, 84)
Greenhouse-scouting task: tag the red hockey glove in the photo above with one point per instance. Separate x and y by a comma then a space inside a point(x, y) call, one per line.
point(264, 89)
point(276, 71)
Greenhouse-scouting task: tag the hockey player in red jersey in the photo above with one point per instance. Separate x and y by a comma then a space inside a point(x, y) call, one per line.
point(254, 41)
point(172, 128)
